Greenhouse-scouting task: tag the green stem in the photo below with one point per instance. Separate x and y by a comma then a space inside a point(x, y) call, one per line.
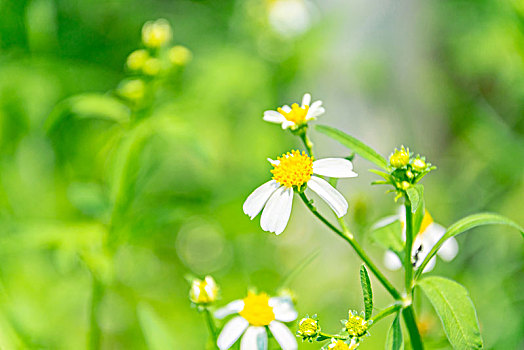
point(305, 139)
point(348, 237)
point(327, 335)
point(386, 312)
point(94, 329)
point(411, 325)
point(211, 326)
point(408, 266)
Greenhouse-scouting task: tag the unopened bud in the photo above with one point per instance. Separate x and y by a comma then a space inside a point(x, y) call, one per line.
point(308, 328)
point(136, 59)
point(203, 292)
point(355, 325)
point(179, 55)
point(399, 158)
point(157, 33)
point(419, 165)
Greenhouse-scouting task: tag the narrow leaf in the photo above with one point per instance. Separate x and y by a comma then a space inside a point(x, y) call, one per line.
point(365, 282)
point(394, 339)
point(355, 145)
point(418, 217)
point(465, 224)
point(416, 196)
point(456, 311)
point(157, 335)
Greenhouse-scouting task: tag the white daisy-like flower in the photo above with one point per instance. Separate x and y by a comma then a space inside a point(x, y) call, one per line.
point(255, 313)
point(337, 344)
point(295, 116)
point(292, 171)
point(429, 234)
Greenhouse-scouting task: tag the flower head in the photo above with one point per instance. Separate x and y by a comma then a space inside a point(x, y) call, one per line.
point(308, 328)
point(356, 326)
point(295, 171)
point(133, 89)
point(399, 158)
point(157, 33)
point(179, 55)
point(419, 164)
point(337, 344)
point(295, 116)
point(137, 59)
point(255, 312)
point(203, 291)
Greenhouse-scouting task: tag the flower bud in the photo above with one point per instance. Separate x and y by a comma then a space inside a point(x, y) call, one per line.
point(156, 34)
point(419, 165)
point(308, 328)
point(337, 344)
point(152, 66)
point(132, 90)
point(399, 158)
point(203, 292)
point(356, 325)
point(405, 185)
point(179, 55)
point(136, 59)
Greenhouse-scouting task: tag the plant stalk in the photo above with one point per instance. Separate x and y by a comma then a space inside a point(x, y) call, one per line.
point(386, 312)
point(211, 326)
point(408, 266)
point(95, 333)
point(411, 325)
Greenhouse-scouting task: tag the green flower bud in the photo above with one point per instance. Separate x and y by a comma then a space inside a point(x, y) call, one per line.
point(179, 55)
point(133, 90)
point(136, 59)
point(356, 325)
point(399, 158)
point(157, 33)
point(419, 165)
point(152, 66)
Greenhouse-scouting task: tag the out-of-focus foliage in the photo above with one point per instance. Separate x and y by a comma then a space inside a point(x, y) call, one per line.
point(90, 192)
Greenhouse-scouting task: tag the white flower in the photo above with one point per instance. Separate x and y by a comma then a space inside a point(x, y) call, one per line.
point(293, 170)
point(429, 234)
point(295, 116)
point(255, 312)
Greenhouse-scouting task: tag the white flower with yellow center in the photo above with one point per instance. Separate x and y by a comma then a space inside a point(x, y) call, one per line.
point(255, 313)
point(292, 171)
point(295, 116)
point(429, 234)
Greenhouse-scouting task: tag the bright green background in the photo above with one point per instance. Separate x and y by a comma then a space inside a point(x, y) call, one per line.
point(443, 77)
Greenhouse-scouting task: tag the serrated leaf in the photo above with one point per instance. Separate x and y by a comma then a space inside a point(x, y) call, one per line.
point(456, 311)
point(355, 145)
point(465, 224)
point(156, 333)
point(367, 292)
point(389, 236)
point(416, 196)
point(394, 340)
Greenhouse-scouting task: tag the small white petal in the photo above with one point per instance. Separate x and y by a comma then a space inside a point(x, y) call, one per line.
point(286, 108)
point(315, 110)
point(255, 338)
point(273, 117)
point(273, 162)
point(287, 124)
point(384, 222)
point(231, 332)
point(283, 309)
point(334, 167)
point(306, 100)
point(231, 308)
point(328, 193)
point(448, 251)
point(430, 265)
point(256, 200)
point(275, 215)
point(283, 335)
point(391, 261)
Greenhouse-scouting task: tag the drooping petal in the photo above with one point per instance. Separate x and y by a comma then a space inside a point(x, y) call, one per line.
point(275, 215)
point(283, 335)
point(255, 338)
point(306, 100)
point(231, 332)
point(283, 309)
point(392, 261)
point(256, 200)
point(449, 250)
point(273, 117)
point(329, 194)
point(231, 308)
point(334, 167)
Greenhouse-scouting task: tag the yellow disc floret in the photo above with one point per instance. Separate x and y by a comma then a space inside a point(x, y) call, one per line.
point(356, 325)
point(257, 310)
point(293, 169)
point(296, 115)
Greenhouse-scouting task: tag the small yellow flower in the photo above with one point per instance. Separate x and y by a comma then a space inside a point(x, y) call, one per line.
point(157, 33)
point(136, 59)
point(405, 185)
point(340, 345)
point(308, 327)
point(133, 90)
point(152, 66)
point(419, 165)
point(203, 291)
point(356, 325)
point(179, 55)
point(399, 158)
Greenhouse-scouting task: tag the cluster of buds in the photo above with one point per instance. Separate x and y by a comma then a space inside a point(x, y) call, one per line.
point(203, 292)
point(308, 328)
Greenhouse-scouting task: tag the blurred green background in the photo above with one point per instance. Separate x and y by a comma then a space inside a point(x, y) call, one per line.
point(101, 202)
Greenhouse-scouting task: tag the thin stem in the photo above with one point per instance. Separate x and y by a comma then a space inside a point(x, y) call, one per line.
point(211, 326)
point(386, 312)
point(307, 142)
point(327, 335)
point(411, 325)
point(94, 329)
point(408, 266)
point(348, 237)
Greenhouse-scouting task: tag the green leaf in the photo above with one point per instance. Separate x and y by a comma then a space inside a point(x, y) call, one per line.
point(456, 311)
point(416, 196)
point(389, 236)
point(418, 217)
point(156, 333)
point(355, 145)
point(465, 224)
point(394, 339)
point(365, 282)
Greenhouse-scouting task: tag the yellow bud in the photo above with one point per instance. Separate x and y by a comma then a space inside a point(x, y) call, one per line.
point(399, 158)
point(203, 292)
point(156, 34)
point(419, 165)
point(132, 90)
point(337, 344)
point(136, 59)
point(356, 325)
point(152, 66)
point(180, 55)
point(308, 327)
point(405, 185)
point(409, 174)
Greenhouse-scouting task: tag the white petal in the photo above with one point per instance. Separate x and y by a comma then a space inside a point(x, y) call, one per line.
point(283, 309)
point(384, 222)
point(273, 117)
point(277, 211)
point(255, 338)
point(231, 332)
point(306, 100)
point(273, 162)
point(391, 261)
point(287, 124)
point(430, 265)
point(328, 193)
point(315, 110)
point(334, 167)
point(256, 200)
point(283, 335)
point(231, 308)
point(448, 251)
point(286, 108)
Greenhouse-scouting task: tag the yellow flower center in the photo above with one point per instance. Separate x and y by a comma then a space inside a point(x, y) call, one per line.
point(296, 115)
point(356, 325)
point(426, 221)
point(257, 310)
point(294, 169)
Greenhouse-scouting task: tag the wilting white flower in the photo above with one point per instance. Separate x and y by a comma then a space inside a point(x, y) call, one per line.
point(295, 116)
point(429, 234)
point(203, 291)
point(292, 171)
point(255, 312)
